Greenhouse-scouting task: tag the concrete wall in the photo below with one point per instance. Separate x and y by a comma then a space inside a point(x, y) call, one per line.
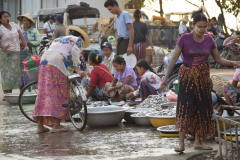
point(31, 6)
point(1, 5)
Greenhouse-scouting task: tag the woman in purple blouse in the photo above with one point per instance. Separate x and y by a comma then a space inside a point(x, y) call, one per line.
point(194, 105)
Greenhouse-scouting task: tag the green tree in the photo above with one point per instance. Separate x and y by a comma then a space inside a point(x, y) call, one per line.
point(231, 6)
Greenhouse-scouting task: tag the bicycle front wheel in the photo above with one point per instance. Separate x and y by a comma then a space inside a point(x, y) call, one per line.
point(78, 114)
point(27, 100)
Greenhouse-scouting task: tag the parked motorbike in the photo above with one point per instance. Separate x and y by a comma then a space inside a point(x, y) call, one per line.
point(219, 40)
point(231, 49)
point(43, 45)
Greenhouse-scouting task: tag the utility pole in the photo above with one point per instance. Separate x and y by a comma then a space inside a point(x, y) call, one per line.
point(161, 8)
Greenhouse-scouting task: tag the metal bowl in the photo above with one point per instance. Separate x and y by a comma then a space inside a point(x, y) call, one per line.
point(168, 105)
point(141, 120)
point(105, 116)
point(12, 98)
point(166, 132)
point(128, 113)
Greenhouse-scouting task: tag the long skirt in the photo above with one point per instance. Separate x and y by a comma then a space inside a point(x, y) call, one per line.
point(52, 93)
point(140, 50)
point(140, 53)
point(124, 90)
point(145, 89)
point(10, 71)
point(99, 91)
point(194, 105)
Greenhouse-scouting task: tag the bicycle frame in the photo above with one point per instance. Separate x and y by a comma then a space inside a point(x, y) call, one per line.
point(80, 89)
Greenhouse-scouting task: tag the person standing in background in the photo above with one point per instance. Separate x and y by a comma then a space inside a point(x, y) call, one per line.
point(60, 29)
point(183, 26)
point(32, 38)
point(49, 27)
point(215, 26)
point(140, 35)
point(123, 26)
point(9, 52)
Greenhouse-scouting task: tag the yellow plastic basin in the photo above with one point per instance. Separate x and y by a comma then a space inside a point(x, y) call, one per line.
point(165, 132)
point(158, 121)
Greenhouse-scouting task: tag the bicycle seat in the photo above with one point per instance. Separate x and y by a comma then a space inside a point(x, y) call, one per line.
point(73, 76)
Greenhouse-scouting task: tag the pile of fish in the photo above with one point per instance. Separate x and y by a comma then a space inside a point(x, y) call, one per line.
point(170, 128)
point(144, 113)
point(153, 101)
point(167, 112)
point(99, 104)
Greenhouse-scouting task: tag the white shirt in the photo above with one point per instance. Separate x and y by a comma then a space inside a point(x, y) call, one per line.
point(154, 80)
point(108, 62)
point(182, 28)
point(49, 27)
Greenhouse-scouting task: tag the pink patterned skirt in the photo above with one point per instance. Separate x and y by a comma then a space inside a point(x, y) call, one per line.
point(52, 93)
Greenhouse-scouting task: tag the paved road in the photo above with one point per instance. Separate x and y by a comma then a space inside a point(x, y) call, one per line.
point(125, 141)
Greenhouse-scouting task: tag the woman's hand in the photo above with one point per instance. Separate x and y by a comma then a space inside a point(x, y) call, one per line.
point(153, 51)
point(163, 85)
point(26, 48)
point(5, 48)
point(129, 95)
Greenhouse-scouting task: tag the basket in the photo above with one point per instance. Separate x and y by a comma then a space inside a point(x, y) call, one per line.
point(32, 74)
point(218, 82)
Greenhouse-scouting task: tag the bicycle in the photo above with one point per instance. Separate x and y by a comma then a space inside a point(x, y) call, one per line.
point(77, 101)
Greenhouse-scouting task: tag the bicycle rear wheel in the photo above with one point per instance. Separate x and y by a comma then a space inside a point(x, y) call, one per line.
point(27, 100)
point(78, 114)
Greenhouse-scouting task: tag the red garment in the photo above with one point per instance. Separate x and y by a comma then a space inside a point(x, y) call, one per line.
point(100, 77)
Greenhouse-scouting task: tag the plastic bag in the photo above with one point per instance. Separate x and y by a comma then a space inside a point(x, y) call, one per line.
point(171, 96)
point(31, 62)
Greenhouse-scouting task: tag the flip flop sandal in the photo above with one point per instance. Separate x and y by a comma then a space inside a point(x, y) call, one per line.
point(177, 149)
point(202, 147)
point(43, 131)
point(64, 129)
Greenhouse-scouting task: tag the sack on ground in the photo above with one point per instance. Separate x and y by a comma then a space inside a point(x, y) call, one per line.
point(31, 62)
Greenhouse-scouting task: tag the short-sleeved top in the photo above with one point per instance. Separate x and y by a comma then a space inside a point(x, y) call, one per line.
point(60, 31)
point(236, 75)
point(182, 28)
point(140, 31)
point(108, 62)
point(195, 53)
point(10, 38)
point(64, 53)
point(99, 77)
point(127, 72)
point(120, 24)
point(49, 27)
point(154, 80)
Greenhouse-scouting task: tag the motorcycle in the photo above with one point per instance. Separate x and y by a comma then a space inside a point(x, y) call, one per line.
point(43, 45)
point(219, 40)
point(231, 49)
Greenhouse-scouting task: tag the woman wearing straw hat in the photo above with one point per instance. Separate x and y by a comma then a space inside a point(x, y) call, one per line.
point(58, 62)
point(9, 52)
point(183, 27)
point(32, 37)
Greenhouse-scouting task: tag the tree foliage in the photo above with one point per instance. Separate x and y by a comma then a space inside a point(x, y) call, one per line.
point(138, 3)
point(231, 6)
